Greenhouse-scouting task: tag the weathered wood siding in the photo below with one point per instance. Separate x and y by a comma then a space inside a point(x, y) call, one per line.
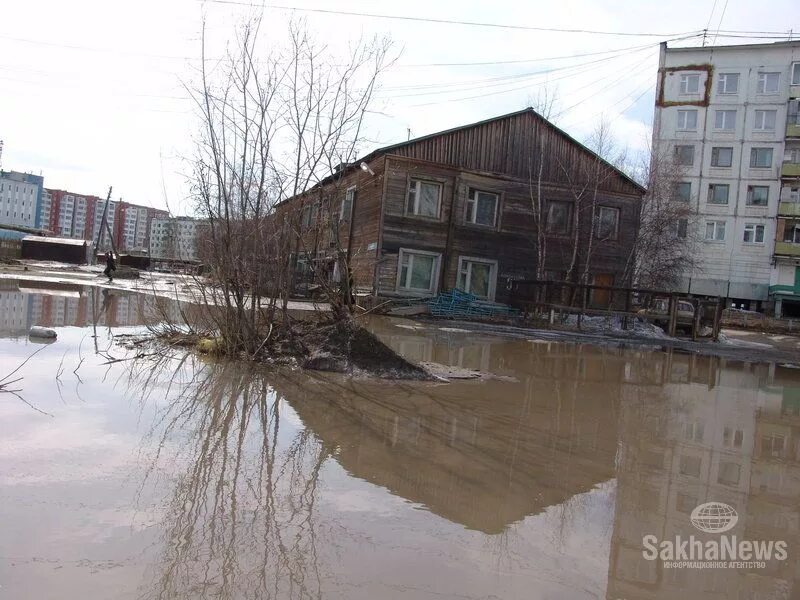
point(511, 146)
point(512, 242)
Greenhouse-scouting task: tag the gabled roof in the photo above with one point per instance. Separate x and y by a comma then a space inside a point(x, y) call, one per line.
point(529, 110)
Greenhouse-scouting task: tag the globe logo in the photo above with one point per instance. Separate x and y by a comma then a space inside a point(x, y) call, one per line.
point(714, 517)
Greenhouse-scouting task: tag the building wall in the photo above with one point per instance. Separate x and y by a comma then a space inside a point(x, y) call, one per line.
point(174, 238)
point(731, 267)
point(20, 199)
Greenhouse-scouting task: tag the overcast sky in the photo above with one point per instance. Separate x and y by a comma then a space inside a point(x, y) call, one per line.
point(91, 92)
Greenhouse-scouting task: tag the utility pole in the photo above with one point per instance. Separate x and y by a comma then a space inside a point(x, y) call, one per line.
point(104, 225)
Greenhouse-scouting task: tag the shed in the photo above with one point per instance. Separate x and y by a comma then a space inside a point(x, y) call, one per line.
point(66, 250)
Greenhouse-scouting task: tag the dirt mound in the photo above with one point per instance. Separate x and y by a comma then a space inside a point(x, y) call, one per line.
point(346, 347)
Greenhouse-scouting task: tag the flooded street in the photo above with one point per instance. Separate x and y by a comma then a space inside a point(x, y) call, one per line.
point(172, 476)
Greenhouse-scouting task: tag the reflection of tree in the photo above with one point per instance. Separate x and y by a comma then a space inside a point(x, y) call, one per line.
point(241, 521)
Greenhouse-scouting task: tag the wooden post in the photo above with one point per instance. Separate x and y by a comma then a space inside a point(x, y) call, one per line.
point(673, 315)
point(717, 319)
point(102, 225)
point(696, 321)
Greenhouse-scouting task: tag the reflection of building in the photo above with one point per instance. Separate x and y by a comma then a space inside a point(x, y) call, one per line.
point(483, 455)
point(692, 438)
point(25, 304)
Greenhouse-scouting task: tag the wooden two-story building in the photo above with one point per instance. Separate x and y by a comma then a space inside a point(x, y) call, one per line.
point(465, 208)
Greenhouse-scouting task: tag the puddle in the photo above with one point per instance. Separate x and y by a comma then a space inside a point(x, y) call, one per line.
point(173, 477)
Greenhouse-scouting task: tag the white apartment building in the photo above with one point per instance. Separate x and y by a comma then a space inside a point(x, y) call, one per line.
point(174, 238)
point(98, 220)
point(44, 208)
point(135, 228)
point(72, 213)
point(728, 115)
point(20, 195)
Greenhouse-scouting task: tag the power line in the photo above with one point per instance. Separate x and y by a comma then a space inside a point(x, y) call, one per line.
point(544, 58)
point(487, 82)
point(444, 21)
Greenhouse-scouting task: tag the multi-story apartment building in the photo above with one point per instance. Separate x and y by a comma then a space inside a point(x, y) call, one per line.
point(69, 214)
point(133, 226)
point(728, 117)
point(20, 198)
point(174, 238)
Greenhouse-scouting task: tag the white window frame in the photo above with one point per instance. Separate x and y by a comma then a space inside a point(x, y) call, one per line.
point(722, 84)
point(761, 124)
point(410, 252)
point(471, 207)
point(492, 274)
point(349, 198)
point(794, 74)
point(727, 114)
point(753, 229)
point(683, 119)
point(718, 226)
point(685, 79)
point(419, 181)
point(763, 78)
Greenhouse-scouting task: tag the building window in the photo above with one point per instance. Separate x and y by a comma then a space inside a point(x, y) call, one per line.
point(729, 473)
point(768, 83)
point(718, 193)
point(683, 191)
point(347, 204)
point(765, 120)
point(687, 119)
point(721, 156)
point(559, 218)
point(753, 234)
point(690, 84)
point(732, 437)
point(681, 226)
point(796, 73)
point(757, 195)
point(684, 155)
point(423, 198)
point(791, 232)
point(725, 119)
point(728, 83)
point(690, 465)
point(761, 158)
point(607, 223)
point(477, 276)
point(481, 208)
point(418, 270)
point(715, 231)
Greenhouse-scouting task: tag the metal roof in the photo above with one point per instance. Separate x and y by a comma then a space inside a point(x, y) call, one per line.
point(54, 240)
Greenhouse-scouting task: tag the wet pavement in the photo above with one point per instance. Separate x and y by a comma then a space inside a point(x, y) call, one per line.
point(175, 477)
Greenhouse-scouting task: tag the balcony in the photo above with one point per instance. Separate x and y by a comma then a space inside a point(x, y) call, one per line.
point(789, 209)
point(787, 249)
point(790, 169)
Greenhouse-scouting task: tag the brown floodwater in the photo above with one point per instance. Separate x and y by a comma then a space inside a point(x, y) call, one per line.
point(174, 477)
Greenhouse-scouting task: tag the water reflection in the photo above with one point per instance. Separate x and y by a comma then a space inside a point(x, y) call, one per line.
point(538, 485)
point(49, 304)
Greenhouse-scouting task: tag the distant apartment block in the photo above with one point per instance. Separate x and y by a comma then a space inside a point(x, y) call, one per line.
point(20, 198)
point(133, 226)
point(728, 115)
point(174, 238)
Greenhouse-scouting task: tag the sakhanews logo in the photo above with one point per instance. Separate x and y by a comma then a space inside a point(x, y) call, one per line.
point(726, 552)
point(714, 517)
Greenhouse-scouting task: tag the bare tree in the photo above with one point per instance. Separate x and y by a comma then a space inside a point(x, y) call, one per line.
point(665, 244)
point(274, 125)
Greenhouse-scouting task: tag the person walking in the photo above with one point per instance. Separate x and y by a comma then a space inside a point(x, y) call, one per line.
point(110, 266)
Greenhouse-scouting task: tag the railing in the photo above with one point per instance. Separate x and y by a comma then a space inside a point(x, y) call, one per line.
point(787, 248)
point(789, 209)
point(790, 169)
